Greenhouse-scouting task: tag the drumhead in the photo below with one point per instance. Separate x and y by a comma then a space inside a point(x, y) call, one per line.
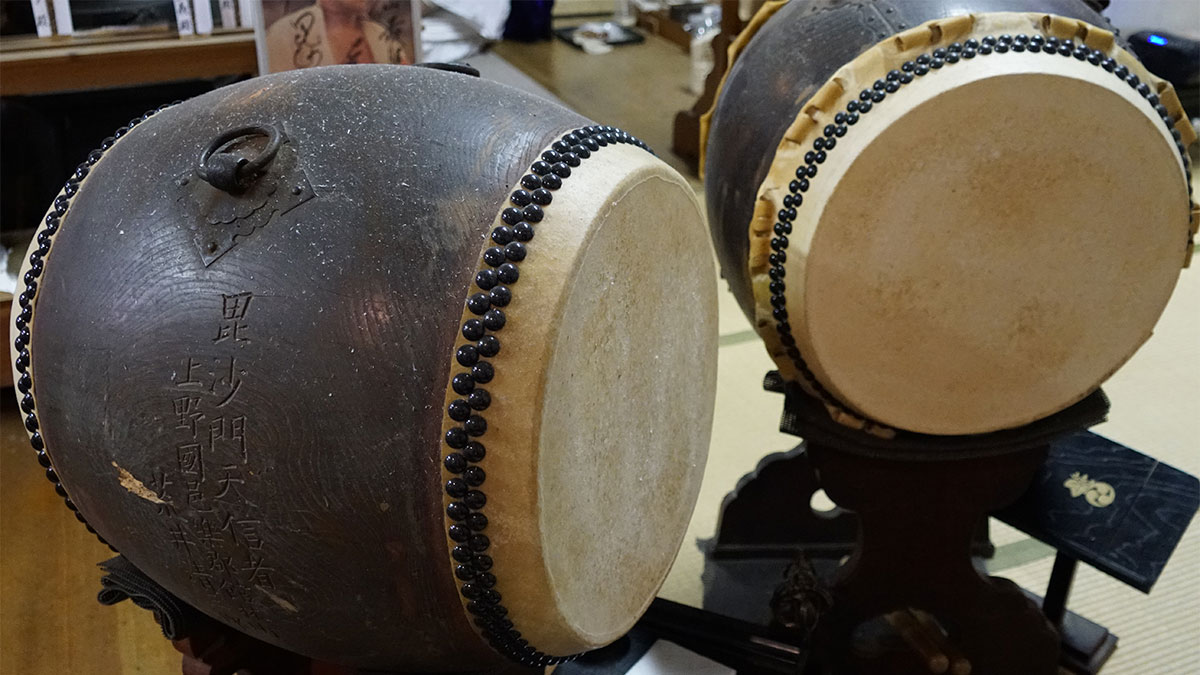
point(964, 277)
point(601, 404)
point(971, 246)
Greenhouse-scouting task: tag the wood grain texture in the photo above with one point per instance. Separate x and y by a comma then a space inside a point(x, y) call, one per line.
point(50, 622)
point(68, 64)
point(631, 87)
point(917, 521)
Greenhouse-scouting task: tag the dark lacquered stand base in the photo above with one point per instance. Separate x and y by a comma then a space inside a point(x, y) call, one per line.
point(912, 574)
point(216, 649)
point(225, 651)
point(213, 648)
point(210, 647)
point(909, 597)
point(891, 580)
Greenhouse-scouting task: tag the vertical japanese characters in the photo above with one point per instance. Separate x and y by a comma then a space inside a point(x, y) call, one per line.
point(213, 524)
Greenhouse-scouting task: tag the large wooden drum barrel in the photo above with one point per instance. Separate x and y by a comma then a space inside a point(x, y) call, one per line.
point(945, 222)
point(392, 367)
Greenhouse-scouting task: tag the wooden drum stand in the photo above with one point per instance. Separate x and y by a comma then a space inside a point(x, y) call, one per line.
point(911, 516)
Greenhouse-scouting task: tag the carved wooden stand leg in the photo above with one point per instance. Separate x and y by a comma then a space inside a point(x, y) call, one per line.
point(917, 522)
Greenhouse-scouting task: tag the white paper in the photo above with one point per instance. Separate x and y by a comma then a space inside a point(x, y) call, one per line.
point(252, 16)
point(228, 14)
point(62, 17)
point(203, 12)
point(246, 14)
point(41, 18)
point(183, 17)
point(668, 658)
point(8, 280)
point(487, 18)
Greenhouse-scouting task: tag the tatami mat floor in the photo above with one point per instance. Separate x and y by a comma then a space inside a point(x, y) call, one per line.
point(50, 625)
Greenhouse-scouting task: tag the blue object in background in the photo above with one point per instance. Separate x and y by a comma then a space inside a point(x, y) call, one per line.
point(1174, 58)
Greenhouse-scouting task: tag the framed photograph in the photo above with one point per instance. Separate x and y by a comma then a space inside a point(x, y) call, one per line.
point(305, 33)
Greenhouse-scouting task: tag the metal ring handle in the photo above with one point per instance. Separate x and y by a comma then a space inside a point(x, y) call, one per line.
point(234, 174)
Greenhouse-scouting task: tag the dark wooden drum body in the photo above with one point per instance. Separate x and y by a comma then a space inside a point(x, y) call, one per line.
point(382, 365)
point(942, 221)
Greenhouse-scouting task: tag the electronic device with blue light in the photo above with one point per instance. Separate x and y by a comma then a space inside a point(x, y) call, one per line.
point(1175, 58)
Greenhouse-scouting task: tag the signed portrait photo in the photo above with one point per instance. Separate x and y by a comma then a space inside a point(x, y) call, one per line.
point(307, 33)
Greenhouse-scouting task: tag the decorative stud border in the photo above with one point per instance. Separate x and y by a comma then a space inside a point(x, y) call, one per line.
point(24, 320)
point(494, 279)
point(876, 95)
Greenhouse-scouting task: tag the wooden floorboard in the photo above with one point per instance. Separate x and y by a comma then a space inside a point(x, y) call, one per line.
point(637, 87)
point(50, 622)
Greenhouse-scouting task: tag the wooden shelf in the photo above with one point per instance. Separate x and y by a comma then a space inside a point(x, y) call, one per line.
point(48, 65)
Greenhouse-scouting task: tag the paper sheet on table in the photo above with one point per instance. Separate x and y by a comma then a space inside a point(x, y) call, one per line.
point(668, 658)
